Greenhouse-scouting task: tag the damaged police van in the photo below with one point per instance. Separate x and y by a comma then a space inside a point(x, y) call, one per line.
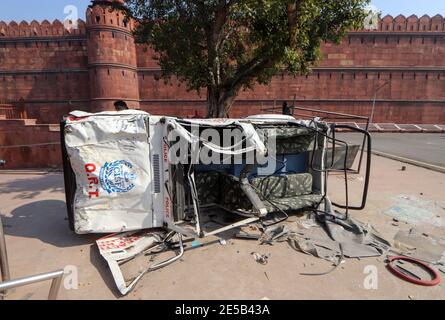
point(127, 171)
point(133, 173)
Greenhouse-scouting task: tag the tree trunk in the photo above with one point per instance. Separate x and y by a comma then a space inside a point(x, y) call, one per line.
point(219, 102)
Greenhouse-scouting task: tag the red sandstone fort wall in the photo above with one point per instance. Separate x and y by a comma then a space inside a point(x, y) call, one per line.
point(408, 53)
point(48, 69)
point(55, 70)
point(45, 65)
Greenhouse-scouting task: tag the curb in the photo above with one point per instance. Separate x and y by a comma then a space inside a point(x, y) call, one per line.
point(410, 161)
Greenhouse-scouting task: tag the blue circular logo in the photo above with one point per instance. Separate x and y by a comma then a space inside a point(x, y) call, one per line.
point(117, 177)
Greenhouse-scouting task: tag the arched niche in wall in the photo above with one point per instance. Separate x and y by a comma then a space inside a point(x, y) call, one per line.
point(412, 23)
point(3, 29)
point(14, 30)
point(388, 23)
point(437, 23)
point(400, 23)
point(57, 28)
point(46, 28)
point(425, 23)
point(24, 30)
point(35, 28)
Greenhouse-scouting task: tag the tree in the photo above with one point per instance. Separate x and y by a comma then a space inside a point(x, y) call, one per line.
point(225, 46)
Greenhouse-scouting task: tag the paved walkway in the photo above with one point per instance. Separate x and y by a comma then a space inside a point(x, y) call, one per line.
point(423, 147)
point(34, 214)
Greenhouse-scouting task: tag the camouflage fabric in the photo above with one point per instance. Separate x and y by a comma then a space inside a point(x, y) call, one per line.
point(234, 197)
point(294, 203)
point(290, 192)
point(208, 187)
point(294, 145)
point(219, 188)
point(290, 132)
point(289, 140)
point(284, 186)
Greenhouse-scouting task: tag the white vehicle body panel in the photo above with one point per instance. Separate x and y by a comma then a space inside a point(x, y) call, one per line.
point(110, 158)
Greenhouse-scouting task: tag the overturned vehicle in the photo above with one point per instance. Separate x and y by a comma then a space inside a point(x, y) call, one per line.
point(130, 171)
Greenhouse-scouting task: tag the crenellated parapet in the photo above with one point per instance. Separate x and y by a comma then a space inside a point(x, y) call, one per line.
point(100, 14)
point(41, 29)
point(411, 24)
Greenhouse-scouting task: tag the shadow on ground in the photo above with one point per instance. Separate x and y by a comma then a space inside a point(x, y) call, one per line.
point(30, 188)
point(102, 267)
point(44, 220)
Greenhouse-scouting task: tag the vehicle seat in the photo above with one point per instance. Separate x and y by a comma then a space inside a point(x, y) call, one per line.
point(289, 192)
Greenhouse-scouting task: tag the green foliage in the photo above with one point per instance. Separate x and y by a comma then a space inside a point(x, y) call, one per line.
point(227, 45)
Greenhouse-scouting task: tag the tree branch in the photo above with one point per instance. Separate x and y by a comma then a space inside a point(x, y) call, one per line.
point(252, 69)
point(293, 11)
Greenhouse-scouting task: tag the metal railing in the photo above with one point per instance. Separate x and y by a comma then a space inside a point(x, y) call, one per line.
point(332, 118)
point(55, 276)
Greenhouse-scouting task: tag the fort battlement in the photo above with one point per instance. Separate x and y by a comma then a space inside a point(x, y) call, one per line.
point(97, 16)
point(412, 23)
point(100, 16)
point(41, 29)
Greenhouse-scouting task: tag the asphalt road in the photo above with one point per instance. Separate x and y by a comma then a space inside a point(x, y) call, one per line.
point(424, 147)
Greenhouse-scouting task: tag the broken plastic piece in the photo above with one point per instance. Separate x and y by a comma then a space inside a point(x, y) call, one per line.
point(120, 248)
point(261, 258)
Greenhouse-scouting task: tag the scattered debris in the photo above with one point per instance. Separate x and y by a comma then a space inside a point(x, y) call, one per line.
point(340, 260)
point(323, 239)
point(261, 258)
point(196, 244)
point(442, 268)
point(415, 211)
point(308, 222)
point(420, 245)
point(275, 233)
point(250, 232)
